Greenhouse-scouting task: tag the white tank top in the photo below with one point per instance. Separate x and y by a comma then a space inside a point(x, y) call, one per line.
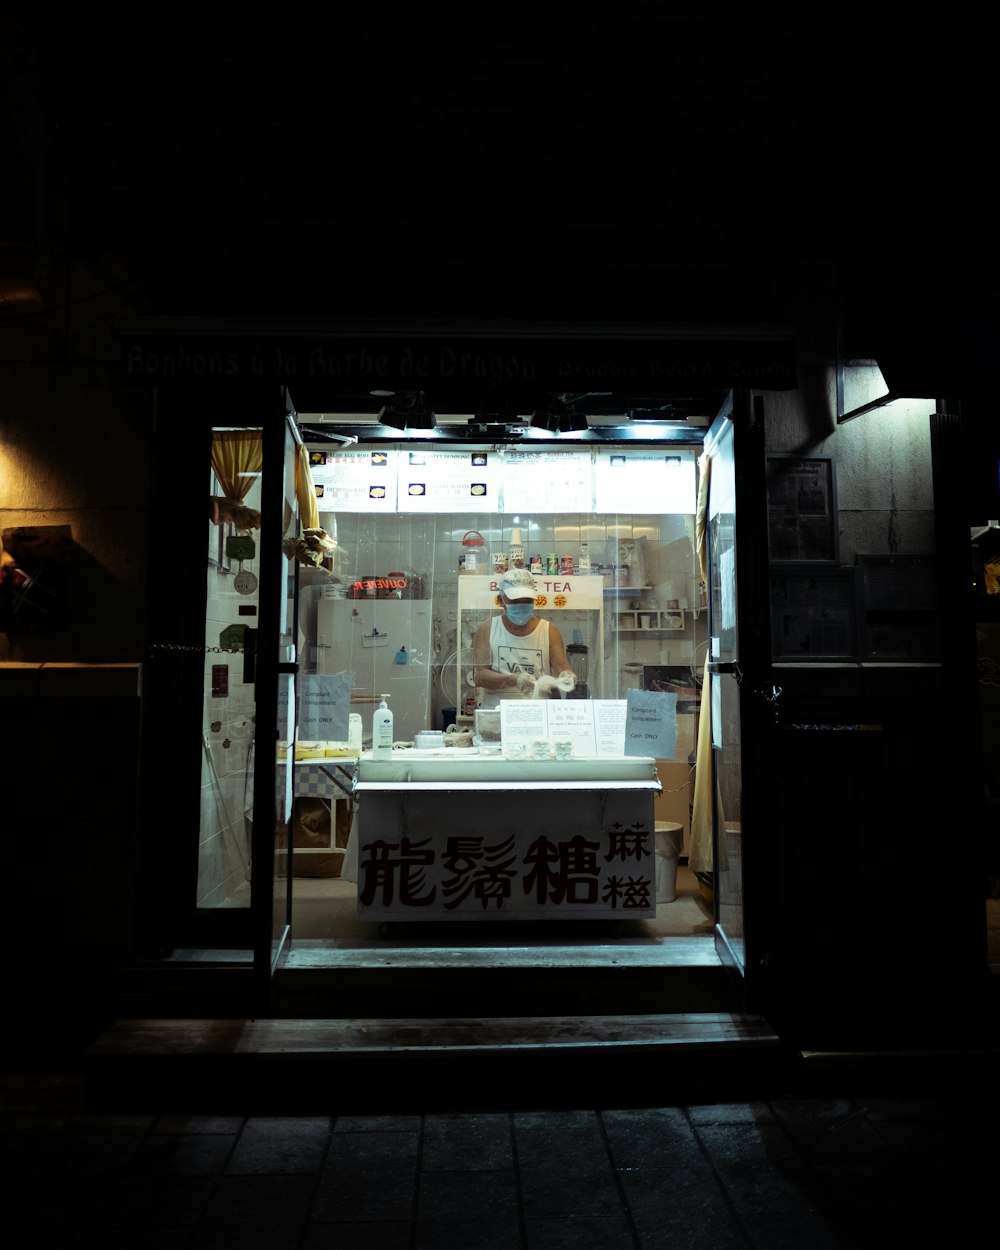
point(511, 653)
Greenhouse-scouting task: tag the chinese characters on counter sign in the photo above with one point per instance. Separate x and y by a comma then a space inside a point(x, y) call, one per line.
point(607, 874)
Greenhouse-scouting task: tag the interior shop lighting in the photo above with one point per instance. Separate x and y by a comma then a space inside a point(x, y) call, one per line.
point(559, 416)
point(406, 410)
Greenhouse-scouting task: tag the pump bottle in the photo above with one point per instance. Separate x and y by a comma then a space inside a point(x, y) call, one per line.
point(382, 734)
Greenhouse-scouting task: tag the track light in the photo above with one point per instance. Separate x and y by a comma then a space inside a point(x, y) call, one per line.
point(559, 416)
point(406, 411)
point(573, 420)
point(546, 419)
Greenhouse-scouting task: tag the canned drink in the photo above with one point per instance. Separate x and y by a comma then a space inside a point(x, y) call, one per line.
point(536, 564)
point(566, 564)
point(552, 563)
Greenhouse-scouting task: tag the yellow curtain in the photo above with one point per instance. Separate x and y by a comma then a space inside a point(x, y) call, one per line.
point(700, 858)
point(237, 457)
point(701, 516)
point(305, 491)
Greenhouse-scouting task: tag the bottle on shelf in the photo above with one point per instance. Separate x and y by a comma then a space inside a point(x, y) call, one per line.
point(382, 728)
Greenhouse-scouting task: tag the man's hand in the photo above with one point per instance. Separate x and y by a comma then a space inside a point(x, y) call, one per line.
point(525, 683)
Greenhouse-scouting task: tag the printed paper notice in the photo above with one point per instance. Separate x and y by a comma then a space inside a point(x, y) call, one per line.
point(522, 722)
point(609, 726)
point(651, 723)
point(324, 708)
point(572, 720)
point(593, 726)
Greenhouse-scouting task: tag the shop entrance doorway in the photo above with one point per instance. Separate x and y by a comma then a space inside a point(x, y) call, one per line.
point(653, 632)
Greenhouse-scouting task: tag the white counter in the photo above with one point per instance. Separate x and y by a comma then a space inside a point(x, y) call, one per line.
point(453, 834)
point(467, 766)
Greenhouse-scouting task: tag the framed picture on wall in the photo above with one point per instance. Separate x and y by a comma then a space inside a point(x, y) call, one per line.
point(802, 509)
point(813, 613)
point(897, 608)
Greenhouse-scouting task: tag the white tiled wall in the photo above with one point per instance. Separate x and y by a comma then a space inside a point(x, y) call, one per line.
point(431, 547)
point(224, 846)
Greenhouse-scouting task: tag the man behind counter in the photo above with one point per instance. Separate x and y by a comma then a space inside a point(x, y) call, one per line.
point(518, 654)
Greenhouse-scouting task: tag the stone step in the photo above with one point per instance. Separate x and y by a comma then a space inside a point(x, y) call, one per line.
point(325, 981)
point(293, 1066)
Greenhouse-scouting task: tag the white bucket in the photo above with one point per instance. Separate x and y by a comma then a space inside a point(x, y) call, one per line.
point(667, 841)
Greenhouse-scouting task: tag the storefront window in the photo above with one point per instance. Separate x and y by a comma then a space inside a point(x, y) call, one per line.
point(228, 705)
point(420, 540)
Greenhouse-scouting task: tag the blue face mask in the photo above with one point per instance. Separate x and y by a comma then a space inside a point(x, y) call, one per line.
point(520, 613)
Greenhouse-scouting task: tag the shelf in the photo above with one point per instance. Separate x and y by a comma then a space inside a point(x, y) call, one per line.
point(625, 590)
point(650, 621)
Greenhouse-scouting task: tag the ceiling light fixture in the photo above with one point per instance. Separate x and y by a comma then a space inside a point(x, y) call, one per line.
point(561, 414)
point(406, 410)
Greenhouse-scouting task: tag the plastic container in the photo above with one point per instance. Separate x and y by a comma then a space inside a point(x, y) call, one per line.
point(473, 560)
point(667, 840)
point(332, 750)
point(486, 723)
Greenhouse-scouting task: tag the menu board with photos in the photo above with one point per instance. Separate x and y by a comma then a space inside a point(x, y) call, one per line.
point(423, 479)
point(354, 480)
point(447, 481)
point(644, 480)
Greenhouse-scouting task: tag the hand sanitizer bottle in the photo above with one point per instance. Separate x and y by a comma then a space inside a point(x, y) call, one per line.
point(382, 729)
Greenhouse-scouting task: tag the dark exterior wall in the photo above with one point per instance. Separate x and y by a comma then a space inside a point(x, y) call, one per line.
point(696, 162)
point(71, 819)
point(73, 452)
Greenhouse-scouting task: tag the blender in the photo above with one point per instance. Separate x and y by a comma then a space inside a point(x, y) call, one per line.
point(578, 654)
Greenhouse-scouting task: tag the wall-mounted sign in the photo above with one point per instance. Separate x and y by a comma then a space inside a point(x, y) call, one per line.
point(564, 479)
point(357, 480)
point(446, 481)
point(406, 479)
point(634, 480)
point(556, 363)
